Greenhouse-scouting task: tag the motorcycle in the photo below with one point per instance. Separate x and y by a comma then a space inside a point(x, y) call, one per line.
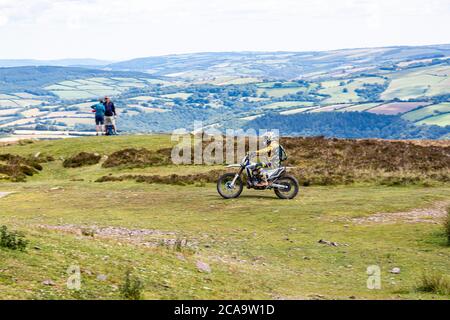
point(231, 185)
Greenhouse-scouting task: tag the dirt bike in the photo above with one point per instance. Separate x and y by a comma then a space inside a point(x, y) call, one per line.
point(230, 185)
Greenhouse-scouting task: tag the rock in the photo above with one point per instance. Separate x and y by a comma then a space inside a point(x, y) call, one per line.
point(37, 154)
point(395, 271)
point(203, 267)
point(331, 243)
point(56, 188)
point(180, 256)
point(102, 277)
point(86, 271)
point(48, 283)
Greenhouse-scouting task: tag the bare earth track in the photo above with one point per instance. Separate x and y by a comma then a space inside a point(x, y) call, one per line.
point(434, 215)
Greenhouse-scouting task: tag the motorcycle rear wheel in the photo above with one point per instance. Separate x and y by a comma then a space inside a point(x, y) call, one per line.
point(293, 187)
point(224, 186)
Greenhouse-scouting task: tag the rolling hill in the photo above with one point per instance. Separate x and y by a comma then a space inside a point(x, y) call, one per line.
point(283, 65)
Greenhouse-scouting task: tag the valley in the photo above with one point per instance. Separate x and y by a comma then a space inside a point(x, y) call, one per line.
point(230, 90)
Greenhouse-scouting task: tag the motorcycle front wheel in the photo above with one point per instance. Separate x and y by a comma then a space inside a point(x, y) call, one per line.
point(291, 190)
point(226, 190)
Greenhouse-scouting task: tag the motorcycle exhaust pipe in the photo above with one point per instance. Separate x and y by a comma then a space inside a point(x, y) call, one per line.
point(279, 186)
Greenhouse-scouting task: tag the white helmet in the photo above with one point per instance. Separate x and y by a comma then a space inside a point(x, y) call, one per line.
point(268, 138)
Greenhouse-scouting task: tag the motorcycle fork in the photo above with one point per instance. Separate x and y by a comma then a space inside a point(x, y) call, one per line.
point(237, 176)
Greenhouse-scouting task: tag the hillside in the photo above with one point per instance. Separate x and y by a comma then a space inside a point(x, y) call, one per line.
point(356, 125)
point(228, 90)
point(168, 225)
point(8, 63)
point(282, 65)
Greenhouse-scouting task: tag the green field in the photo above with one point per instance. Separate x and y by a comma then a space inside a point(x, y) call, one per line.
point(279, 92)
point(336, 88)
point(287, 104)
point(441, 120)
point(420, 82)
point(426, 112)
point(359, 107)
point(257, 247)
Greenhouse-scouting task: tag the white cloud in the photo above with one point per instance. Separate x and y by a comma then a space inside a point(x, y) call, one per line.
point(74, 28)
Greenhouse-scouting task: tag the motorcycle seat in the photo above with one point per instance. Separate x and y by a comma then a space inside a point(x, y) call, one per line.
point(274, 172)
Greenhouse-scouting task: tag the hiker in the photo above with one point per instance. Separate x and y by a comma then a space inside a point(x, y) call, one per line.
point(99, 110)
point(272, 151)
point(110, 116)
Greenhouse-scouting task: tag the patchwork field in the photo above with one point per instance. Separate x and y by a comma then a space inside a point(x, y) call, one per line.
point(396, 107)
point(440, 120)
point(234, 91)
point(419, 82)
point(430, 111)
point(343, 91)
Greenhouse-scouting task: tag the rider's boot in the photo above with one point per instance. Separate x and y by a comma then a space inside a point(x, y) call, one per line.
point(262, 183)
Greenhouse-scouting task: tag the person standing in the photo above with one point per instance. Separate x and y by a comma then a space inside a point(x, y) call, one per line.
point(99, 110)
point(110, 114)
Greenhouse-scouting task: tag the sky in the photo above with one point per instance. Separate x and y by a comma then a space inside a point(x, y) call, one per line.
point(126, 29)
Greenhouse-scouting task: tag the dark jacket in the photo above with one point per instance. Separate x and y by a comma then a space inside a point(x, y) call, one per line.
point(110, 109)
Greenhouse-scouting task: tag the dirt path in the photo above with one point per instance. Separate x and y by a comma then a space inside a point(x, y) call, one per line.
point(4, 194)
point(144, 237)
point(434, 215)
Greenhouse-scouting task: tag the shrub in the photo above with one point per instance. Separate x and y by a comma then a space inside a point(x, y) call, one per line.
point(138, 158)
point(82, 159)
point(17, 167)
point(12, 240)
point(434, 283)
point(131, 287)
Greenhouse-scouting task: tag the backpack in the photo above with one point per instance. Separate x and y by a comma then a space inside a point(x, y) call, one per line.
point(282, 154)
point(109, 130)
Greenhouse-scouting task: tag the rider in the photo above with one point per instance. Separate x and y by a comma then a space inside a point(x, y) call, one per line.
point(271, 149)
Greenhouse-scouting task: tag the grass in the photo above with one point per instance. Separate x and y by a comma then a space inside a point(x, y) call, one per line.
point(434, 283)
point(103, 145)
point(258, 247)
point(280, 92)
point(447, 226)
point(439, 120)
point(244, 241)
point(288, 104)
point(426, 112)
point(418, 82)
point(336, 91)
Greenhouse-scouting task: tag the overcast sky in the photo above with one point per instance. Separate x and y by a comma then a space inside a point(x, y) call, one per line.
point(124, 29)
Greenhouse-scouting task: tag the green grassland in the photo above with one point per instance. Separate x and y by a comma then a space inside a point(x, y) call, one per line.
point(427, 112)
point(288, 104)
point(359, 107)
point(441, 120)
point(258, 247)
point(336, 88)
point(420, 82)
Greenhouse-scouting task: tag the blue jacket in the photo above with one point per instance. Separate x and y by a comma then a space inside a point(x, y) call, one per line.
point(99, 109)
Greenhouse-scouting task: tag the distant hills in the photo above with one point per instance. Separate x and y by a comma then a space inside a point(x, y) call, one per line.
point(58, 63)
point(282, 65)
point(390, 92)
